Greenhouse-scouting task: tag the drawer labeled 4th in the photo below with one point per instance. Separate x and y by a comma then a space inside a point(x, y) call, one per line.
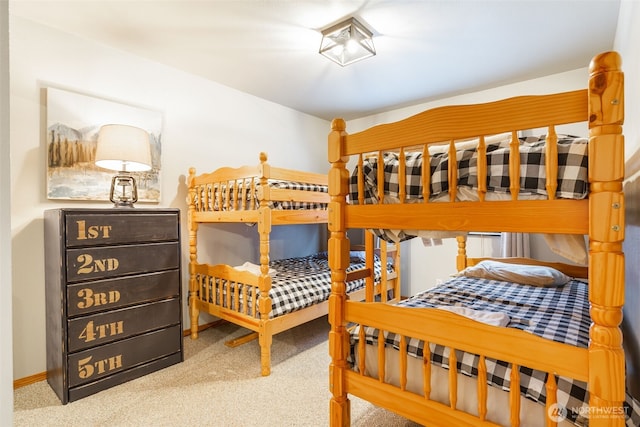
point(89, 331)
point(110, 261)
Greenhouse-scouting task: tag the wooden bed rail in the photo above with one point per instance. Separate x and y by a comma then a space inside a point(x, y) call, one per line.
point(245, 188)
point(516, 347)
point(462, 122)
point(455, 331)
point(237, 291)
point(262, 170)
point(551, 167)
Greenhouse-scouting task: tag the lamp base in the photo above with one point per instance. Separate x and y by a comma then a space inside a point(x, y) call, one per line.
point(122, 204)
point(125, 199)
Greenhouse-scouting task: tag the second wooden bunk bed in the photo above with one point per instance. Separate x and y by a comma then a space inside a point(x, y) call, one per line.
point(270, 196)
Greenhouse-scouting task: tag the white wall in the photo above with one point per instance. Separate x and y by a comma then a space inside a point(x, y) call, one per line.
point(626, 42)
point(206, 125)
point(6, 355)
point(429, 265)
point(570, 80)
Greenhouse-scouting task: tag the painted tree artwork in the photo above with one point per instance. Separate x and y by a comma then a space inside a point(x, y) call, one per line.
point(73, 123)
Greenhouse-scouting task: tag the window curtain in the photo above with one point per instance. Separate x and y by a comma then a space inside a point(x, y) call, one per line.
point(515, 245)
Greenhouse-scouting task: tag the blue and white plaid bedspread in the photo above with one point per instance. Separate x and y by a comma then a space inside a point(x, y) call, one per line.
point(559, 314)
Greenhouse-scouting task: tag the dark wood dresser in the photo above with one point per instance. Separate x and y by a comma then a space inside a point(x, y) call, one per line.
point(113, 296)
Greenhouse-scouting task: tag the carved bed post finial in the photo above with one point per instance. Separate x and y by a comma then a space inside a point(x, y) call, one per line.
point(192, 200)
point(606, 234)
point(338, 125)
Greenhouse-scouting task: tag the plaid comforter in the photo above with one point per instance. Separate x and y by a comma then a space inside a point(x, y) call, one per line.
point(559, 314)
point(213, 197)
point(302, 282)
point(572, 171)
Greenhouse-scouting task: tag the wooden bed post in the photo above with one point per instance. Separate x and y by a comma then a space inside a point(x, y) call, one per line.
point(339, 406)
point(264, 283)
point(193, 243)
point(461, 258)
point(369, 250)
point(606, 233)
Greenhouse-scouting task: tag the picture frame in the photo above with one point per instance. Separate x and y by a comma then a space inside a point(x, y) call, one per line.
point(73, 124)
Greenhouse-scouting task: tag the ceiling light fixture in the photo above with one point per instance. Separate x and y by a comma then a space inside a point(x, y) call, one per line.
point(347, 42)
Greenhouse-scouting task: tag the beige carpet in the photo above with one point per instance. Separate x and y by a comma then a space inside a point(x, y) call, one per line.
point(214, 386)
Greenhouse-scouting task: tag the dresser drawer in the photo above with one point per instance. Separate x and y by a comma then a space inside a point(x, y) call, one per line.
point(99, 295)
point(93, 387)
point(88, 229)
point(112, 261)
point(99, 362)
point(102, 328)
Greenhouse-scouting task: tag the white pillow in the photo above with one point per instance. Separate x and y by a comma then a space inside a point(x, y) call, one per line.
point(254, 269)
point(534, 275)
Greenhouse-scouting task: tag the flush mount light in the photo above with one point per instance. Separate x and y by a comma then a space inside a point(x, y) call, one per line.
point(347, 42)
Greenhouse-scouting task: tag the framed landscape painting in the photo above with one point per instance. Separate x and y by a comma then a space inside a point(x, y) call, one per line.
point(73, 123)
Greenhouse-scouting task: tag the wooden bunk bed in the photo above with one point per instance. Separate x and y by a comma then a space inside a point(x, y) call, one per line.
point(400, 372)
point(271, 296)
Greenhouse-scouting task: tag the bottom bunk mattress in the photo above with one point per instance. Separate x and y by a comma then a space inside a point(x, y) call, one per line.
point(296, 283)
point(559, 313)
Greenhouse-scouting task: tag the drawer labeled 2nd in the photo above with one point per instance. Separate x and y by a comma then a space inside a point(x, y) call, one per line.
point(110, 261)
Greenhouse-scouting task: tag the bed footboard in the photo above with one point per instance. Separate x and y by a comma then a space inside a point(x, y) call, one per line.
point(222, 290)
point(457, 333)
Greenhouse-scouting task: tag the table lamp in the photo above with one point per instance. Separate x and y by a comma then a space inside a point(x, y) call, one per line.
point(125, 149)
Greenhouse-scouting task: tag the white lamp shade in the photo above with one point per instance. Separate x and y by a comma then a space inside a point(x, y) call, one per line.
point(123, 148)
